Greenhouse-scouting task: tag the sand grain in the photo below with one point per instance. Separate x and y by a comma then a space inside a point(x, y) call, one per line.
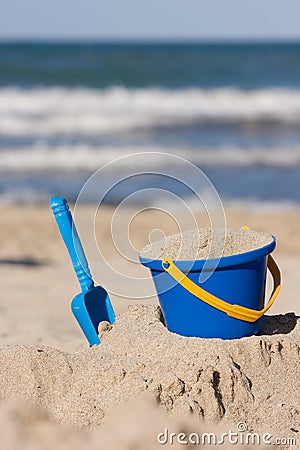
point(202, 243)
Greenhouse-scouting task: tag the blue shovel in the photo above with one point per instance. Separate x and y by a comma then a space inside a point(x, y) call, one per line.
point(93, 305)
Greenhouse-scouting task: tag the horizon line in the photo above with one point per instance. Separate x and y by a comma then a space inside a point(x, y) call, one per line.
point(134, 40)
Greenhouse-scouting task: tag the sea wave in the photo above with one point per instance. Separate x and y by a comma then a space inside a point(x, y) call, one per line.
point(85, 158)
point(60, 111)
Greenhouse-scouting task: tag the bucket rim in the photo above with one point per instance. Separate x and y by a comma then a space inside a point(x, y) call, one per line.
point(223, 262)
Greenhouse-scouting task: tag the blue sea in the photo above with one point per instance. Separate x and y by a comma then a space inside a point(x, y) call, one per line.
point(231, 109)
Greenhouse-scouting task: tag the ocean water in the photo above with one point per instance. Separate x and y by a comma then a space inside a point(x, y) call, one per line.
point(231, 109)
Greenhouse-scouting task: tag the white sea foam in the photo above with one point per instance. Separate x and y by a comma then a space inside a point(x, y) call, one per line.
point(88, 112)
point(28, 195)
point(86, 158)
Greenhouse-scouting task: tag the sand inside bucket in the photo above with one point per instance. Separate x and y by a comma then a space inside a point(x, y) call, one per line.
point(203, 243)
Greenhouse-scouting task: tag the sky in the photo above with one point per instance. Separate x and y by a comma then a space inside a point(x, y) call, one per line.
point(150, 20)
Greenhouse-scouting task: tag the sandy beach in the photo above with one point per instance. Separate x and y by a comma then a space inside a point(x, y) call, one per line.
point(184, 383)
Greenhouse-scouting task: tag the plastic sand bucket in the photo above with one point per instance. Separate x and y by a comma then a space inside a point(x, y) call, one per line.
point(228, 305)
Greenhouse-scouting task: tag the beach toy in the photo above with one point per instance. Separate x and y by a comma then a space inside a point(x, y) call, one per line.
point(228, 305)
point(92, 305)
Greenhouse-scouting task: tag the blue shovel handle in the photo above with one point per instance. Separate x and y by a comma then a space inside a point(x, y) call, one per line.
point(63, 217)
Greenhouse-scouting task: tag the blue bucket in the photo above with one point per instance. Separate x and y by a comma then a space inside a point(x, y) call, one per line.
point(228, 305)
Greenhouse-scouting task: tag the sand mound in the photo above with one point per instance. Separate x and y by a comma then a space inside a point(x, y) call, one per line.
point(137, 424)
point(254, 379)
point(202, 243)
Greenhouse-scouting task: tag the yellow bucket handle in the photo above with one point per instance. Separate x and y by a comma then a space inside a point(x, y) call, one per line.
point(236, 311)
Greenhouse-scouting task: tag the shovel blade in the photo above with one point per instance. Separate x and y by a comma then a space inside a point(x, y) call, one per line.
point(91, 308)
